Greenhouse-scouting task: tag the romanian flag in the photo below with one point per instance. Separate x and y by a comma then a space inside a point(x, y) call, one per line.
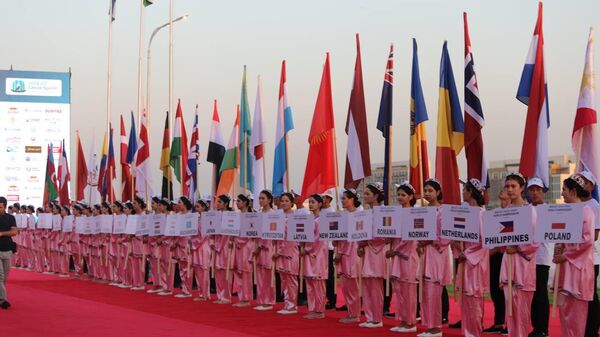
point(419, 160)
point(450, 132)
point(230, 163)
point(165, 157)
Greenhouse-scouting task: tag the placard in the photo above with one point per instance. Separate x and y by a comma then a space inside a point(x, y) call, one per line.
point(131, 224)
point(119, 223)
point(143, 226)
point(67, 223)
point(419, 223)
point(171, 226)
point(559, 223)
point(56, 223)
point(230, 224)
point(461, 223)
point(210, 222)
point(45, 221)
point(106, 223)
point(333, 226)
point(386, 221)
point(31, 222)
point(157, 224)
point(301, 228)
point(360, 225)
point(21, 220)
point(83, 225)
point(188, 224)
point(507, 226)
point(250, 224)
point(273, 226)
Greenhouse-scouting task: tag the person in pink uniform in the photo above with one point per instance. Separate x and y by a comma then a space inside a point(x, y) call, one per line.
point(263, 252)
point(287, 259)
point(63, 237)
point(523, 268)
point(137, 257)
point(242, 258)
point(372, 254)
point(222, 248)
point(53, 242)
point(154, 251)
point(405, 262)
point(473, 281)
point(436, 267)
point(75, 244)
point(114, 250)
point(103, 245)
point(346, 258)
point(94, 259)
point(182, 252)
point(201, 257)
point(315, 265)
point(125, 248)
point(166, 243)
point(576, 261)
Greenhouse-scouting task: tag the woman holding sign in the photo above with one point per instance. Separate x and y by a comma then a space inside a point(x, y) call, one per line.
point(265, 288)
point(222, 249)
point(138, 249)
point(242, 260)
point(182, 252)
point(154, 251)
point(576, 261)
point(74, 244)
point(63, 238)
point(404, 269)
point(201, 257)
point(287, 262)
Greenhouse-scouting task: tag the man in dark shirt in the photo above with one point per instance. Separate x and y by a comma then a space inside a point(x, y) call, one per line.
point(8, 229)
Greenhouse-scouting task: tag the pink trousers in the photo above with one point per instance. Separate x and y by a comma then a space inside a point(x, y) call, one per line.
point(137, 271)
point(573, 314)
point(167, 277)
point(243, 283)
point(265, 289)
point(112, 269)
point(203, 281)
point(289, 286)
point(222, 284)
point(315, 293)
point(472, 315)
point(154, 262)
point(350, 292)
point(405, 296)
point(372, 298)
point(186, 277)
point(431, 308)
point(519, 323)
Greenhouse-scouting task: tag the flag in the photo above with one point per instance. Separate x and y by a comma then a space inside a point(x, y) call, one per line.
point(192, 161)
point(419, 159)
point(93, 170)
point(179, 149)
point(82, 172)
point(102, 171)
point(533, 91)
point(246, 176)
point(384, 120)
point(284, 125)
point(216, 145)
point(358, 161)
point(64, 176)
point(507, 226)
point(111, 10)
point(450, 132)
point(111, 171)
point(585, 135)
point(125, 165)
point(460, 223)
point(321, 165)
point(165, 156)
point(230, 163)
point(148, 2)
point(558, 225)
point(143, 182)
point(50, 188)
point(257, 143)
point(419, 223)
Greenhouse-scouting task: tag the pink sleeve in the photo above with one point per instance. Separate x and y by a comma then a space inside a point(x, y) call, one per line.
point(577, 253)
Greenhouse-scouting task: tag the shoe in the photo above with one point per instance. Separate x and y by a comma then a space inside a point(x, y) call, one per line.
point(222, 302)
point(363, 324)
point(349, 319)
point(314, 315)
point(493, 329)
point(200, 299)
point(137, 288)
point(263, 307)
point(154, 291)
point(504, 332)
point(329, 306)
point(165, 293)
point(371, 325)
point(444, 320)
point(124, 285)
point(342, 308)
point(4, 305)
point(389, 314)
point(241, 304)
point(404, 329)
point(287, 311)
point(456, 325)
point(183, 295)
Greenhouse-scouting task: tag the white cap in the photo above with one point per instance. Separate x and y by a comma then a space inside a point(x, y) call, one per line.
point(535, 182)
point(588, 176)
point(329, 194)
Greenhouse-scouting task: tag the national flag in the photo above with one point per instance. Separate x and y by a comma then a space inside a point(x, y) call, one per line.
point(125, 166)
point(165, 157)
point(284, 125)
point(418, 223)
point(192, 162)
point(360, 225)
point(460, 222)
point(533, 91)
point(148, 2)
point(476, 163)
point(321, 165)
point(50, 188)
point(111, 171)
point(358, 160)
point(64, 176)
point(111, 10)
point(257, 143)
point(334, 226)
point(273, 226)
point(387, 221)
point(450, 132)
point(246, 176)
point(507, 227)
point(384, 120)
point(584, 139)
point(300, 228)
point(179, 149)
point(103, 164)
point(216, 145)
point(82, 172)
point(419, 159)
point(230, 163)
point(558, 225)
point(143, 181)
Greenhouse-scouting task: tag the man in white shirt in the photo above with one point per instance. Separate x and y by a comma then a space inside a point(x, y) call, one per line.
point(330, 285)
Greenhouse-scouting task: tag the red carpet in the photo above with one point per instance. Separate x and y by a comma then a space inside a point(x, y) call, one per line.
point(49, 306)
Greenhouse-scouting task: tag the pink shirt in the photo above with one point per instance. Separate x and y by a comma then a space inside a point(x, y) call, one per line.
point(242, 260)
point(315, 263)
point(523, 265)
point(374, 261)
point(406, 261)
point(476, 278)
point(201, 251)
point(222, 251)
point(437, 259)
point(349, 262)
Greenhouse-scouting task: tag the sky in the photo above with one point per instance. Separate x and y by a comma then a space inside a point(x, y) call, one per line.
point(220, 37)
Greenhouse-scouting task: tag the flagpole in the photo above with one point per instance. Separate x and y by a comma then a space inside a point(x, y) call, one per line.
point(419, 144)
point(287, 165)
point(139, 92)
point(171, 60)
point(109, 70)
point(337, 190)
point(389, 168)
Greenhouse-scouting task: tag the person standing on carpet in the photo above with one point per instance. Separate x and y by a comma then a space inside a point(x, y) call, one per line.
point(222, 249)
point(8, 229)
point(330, 283)
point(265, 288)
point(242, 258)
point(182, 252)
point(137, 256)
point(201, 257)
point(154, 250)
point(287, 260)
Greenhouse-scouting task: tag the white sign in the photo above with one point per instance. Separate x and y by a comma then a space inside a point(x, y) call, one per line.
point(106, 223)
point(333, 226)
point(67, 224)
point(171, 226)
point(559, 223)
point(21, 220)
point(419, 223)
point(210, 222)
point(143, 227)
point(45, 221)
point(56, 223)
point(119, 223)
point(188, 224)
point(461, 223)
point(31, 222)
point(508, 226)
point(273, 226)
point(83, 225)
point(250, 224)
point(157, 224)
point(230, 224)
point(131, 224)
point(301, 228)
point(360, 225)
point(386, 221)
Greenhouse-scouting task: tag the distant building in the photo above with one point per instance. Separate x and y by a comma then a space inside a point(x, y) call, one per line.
point(399, 174)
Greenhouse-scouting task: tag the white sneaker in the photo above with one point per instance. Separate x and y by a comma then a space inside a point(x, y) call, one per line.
point(123, 285)
point(263, 307)
point(287, 311)
point(373, 325)
point(183, 295)
point(404, 330)
point(165, 293)
point(154, 291)
point(138, 288)
point(363, 324)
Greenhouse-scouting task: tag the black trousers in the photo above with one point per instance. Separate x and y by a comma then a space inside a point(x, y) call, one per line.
point(330, 285)
point(495, 291)
point(387, 300)
point(540, 305)
point(593, 320)
point(445, 304)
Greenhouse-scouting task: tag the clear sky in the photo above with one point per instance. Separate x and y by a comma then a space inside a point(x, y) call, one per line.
point(220, 37)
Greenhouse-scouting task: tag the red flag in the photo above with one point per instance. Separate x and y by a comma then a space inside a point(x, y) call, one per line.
point(321, 165)
point(82, 171)
point(64, 176)
point(125, 167)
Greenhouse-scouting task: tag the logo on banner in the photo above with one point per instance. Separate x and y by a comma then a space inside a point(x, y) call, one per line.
point(17, 86)
point(459, 222)
point(334, 226)
point(273, 226)
point(360, 225)
point(300, 228)
point(387, 221)
point(559, 225)
point(509, 226)
point(419, 223)
point(12, 197)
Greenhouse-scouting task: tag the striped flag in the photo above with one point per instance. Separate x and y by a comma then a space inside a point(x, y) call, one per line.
point(111, 171)
point(143, 182)
point(179, 149)
point(476, 164)
point(132, 148)
point(419, 159)
point(358, 161)
point(246, 176)
point(450, 132)
point(50, 188)
point(64, 176)
point(103, 164)
point(216, 145)
point(125, 165)
point(192, 161)
point(165, 167)
point(384, 120)
point(230, 163)
point(82, 171)
point(257, 143)
point(533, 91)
point(585, 134)
point(284, 125)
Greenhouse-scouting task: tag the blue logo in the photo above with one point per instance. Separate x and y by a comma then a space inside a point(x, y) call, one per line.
point(18, 86)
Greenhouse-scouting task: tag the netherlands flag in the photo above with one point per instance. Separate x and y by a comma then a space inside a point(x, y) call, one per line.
point(533, 91)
